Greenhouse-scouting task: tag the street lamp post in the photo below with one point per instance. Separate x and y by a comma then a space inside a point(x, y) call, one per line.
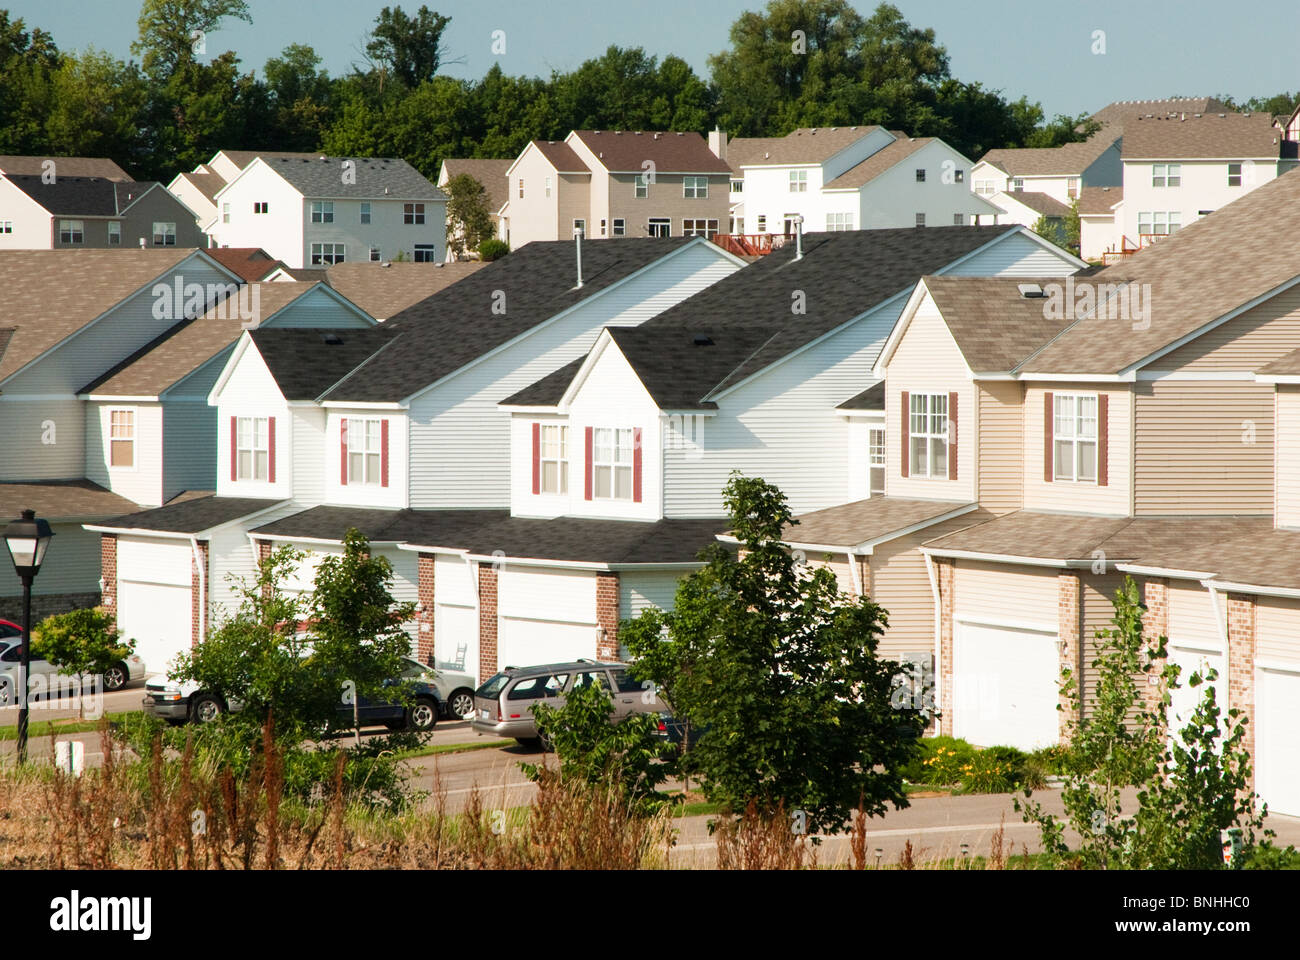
point(27, 539)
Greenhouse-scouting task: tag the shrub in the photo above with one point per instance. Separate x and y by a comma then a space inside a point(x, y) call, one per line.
point(492, 249)
point(937, 757)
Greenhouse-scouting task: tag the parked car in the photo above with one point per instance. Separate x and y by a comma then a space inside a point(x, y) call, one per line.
point(11, 654)
point(181, 702)
point(504, 704)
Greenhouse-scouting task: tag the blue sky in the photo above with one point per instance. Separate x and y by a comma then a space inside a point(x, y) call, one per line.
point(1040, 48)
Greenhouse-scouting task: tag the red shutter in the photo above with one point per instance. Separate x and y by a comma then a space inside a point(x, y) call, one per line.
point(903, 436)
point(1049, 436)
point(952, 436)
point(636, 465)
point(234, 449)
point(586, 486)
point(383, 452)
point(270, 449)
point(343, 451)
point(1103, 439)
point(537, 458)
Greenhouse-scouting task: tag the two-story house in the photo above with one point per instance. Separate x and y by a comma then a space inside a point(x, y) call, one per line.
point(615, 183)
point(491, 175)
point(325, 210)
point(198, 189)
point(39, 212)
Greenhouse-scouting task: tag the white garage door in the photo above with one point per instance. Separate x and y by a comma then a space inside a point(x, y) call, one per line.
point(455, 616)
point(157, 616)
point(1184, 700)
point(546, 615)
point(1005, 686)
point(1277, 739)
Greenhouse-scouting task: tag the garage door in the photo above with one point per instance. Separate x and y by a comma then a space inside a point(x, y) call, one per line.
point(1005, 686)
point(546, 615)
point(1277, 739)
point(455, 616)
point(157, 616)
point(1184, 700)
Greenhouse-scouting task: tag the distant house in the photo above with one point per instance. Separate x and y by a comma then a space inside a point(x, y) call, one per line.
point(491, 174)
point(313, 212)
point(100, 167)
point(384, 290)
point(40, 213)
point(198, 189)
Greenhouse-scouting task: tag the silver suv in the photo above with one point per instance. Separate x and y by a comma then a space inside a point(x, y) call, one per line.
point(503, 705)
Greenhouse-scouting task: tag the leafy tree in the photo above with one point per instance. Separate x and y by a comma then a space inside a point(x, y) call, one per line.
point(1280, 104)
point(492, 249)
point(82, 642)
point(96, 107)
point(28, 61)
point(780, 669)
point(407, 48)
point(469, 222)
point(170, 30)
point(1049, 228)
point(300, 95)
point(1192, 783)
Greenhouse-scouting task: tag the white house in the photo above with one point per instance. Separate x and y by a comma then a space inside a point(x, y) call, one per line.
point(198, 189)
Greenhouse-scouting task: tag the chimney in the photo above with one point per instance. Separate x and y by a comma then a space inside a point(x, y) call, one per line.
point(718, 143)
point(577, 239)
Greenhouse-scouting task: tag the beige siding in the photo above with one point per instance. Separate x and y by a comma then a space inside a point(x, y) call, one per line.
point(997, 593)
point(1277, 629)
point(1204, 447)
point(1098, 592)
point(1191, 617)
point(1001, 479)
point(574, 203)
point(1112, 499)
point(1258, 336)
point(534, 215)
point(1287, 461)
point(664, 198)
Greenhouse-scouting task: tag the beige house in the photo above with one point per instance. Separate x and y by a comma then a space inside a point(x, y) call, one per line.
point(615, 183)
point(1052, 437)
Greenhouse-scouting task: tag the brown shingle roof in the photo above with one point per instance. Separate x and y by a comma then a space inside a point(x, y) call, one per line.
point(385, 290)
point(206, 183)
point(805, 145)
point(1036, 535)
point(1122, 110)
point(1097, 201)
point(50, 294)
point(251, 263)
point(1286, 366)
point(1227, 135)
point(1069, 159)
point(243, 158)
point(879, 162)
point(1042, 203)
point(490, 173)
point(65, 167)
point(852, 524)
point(62, 500)
point(625, 151)
point(561, 156)
point(995, 326)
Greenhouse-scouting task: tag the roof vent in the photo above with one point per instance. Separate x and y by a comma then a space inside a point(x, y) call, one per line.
point(656, 136)
point(680, 134)
point(333, 339)
point(1031, 291)
point(703, 340)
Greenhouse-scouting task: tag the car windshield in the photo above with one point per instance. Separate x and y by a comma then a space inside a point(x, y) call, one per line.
point(414, 668)
point(492, 688)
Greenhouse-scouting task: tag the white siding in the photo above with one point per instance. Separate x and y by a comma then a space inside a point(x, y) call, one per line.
point(43, 437)
point(455, 614)
point(646, 589)
point(1192, 622)
point(895, 197)
point(1016, 256)
point(142, 480)
point(996, 593)
point(154, 560)
point(392, 496)
point(250, 391)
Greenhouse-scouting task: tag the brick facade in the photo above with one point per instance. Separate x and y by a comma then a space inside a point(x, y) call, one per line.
point(1241, 668)
point(424, 620)
point(944, 569)
point(108, 570)
point(1155, 624)
point(1069, 622)
point(487, 619)
point(264, 554)
point(199, 593)
point(607, 587)
point(46, 605)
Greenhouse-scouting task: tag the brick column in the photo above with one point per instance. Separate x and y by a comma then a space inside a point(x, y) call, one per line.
point(108, 570)
point(1241, 669)
point(264, 554)
point(198, 593)
point(1155, 624)
point(945, 569)
point(424, 616)
point(1069, 614)
point(607, 587)
point(487, 619)
point(864, 573)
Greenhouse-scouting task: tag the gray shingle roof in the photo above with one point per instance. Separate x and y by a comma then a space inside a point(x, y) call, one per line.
point(1218, 135)
point(306, 363)
point(375, 178)
point(81, 196)
point(1042, 203)
point(872, 398)
point(547, 391)
point(191, 516)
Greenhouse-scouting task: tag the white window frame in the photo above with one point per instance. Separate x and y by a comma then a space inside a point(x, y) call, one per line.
point(114, 233)
point(365, 451)
point(1234, 176)
point(920, 219)
point(836, 222)
point(985, 188)
point(959, 219)
point(365, 211)
point(655, 222)
point(1166, 174)
point(933, 434)
point(425, 253)
point(413, 214)
point(554, 451)
point(1072, 188)
point(225, 212)
point(620, 227)
point(877, 457)
point(762, 223)
point(249, 441)
point(547, 183)
point(1069, 408)
point(699, 227)
point(611, 459)
point(521, 188)
point(737, 186)
point(130, 419)
point(261, 206)
point(376, 255)
point(798, 181)
point(640, 187)
point(6, 226)
point(72, 232)
point(695, 188)
point(322, 211)
point(920, 174)
point(579, 223)
point(166, 237)
point(319, 258)
point(1017, 184)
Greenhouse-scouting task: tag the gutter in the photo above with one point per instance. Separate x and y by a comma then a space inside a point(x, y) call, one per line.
point(938, 619)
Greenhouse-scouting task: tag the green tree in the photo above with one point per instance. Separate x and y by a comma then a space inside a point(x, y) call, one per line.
point(1049, 228)
point(300, 95)
point(407, 48)
point(469, 222)
point(1192, 782)
point(172, 31)
point(82, 642)
point(780, 668)
point(28, 61)
point(96, 107)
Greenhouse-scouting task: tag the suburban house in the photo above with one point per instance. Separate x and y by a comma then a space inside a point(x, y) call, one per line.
point(615, 183)
point(198, 189)
point(317, 211)
point(845, 178)
point(491, 174)
point(1056, 436)
point(100, 167)
point(49, 213)
point(394, 430)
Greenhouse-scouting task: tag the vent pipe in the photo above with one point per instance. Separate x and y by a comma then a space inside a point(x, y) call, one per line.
point(798, 236)
point(577, 239)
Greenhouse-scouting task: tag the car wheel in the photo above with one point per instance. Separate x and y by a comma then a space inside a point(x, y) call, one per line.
point(461, 704)
point(115, 677)
point(205, 708)
point(6, 693)
point(423, 715)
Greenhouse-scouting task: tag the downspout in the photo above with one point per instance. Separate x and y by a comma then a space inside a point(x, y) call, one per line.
point(938, 621)
point(855, 576)
point(203, 587)
point(1219, 620)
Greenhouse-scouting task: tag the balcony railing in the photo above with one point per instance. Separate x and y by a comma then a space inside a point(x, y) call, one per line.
point(751, 244)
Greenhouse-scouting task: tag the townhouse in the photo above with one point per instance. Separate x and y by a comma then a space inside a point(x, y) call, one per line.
point(198, 189)
point(48, 212)
point(615, 183)
point(845, 178)
point(394, 430)
point(316, 211)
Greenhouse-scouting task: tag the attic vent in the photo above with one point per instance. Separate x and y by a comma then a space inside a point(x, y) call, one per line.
point(333, 339)
point(1031, 291)
point(703, 340)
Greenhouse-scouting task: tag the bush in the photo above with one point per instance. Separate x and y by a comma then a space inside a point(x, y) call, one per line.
point(81, 641)
point(938, 757)
point(492, 249)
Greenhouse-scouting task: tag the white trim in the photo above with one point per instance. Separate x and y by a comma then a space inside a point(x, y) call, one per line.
point(1077, 377)
point(933, 577)
point(322, 541)
point(501, 561)
point(1283, 379)
point(1288, 593)
point(1148, 375)
point(1278, 666)
point(1196, 646)
point(983, 620)
point(1003, 558)
point(1174, 574)
point(1220, 619)
point(867, 545)
point(169, 535)
point(440, 551)
point(116, 399)
point(361, 405)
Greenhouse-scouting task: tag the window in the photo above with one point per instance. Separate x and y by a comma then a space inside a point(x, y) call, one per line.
point(611, 464)
point(376, 255)
point(554, 460)
point(1017, 183)
point(1072, 187)
point(1234, 174)
point(72, 231)
point(920, 175)
point(602, 228)
point(521, 189)
point(365, 440)
point(696, 187)
point(762, 223)
point(959, 176)
point(413, 213)
point(699, 228)
point(876, 459)
point(580, 226)
point(620, 227)
point(640, 187)
point(798, 181)
point(252, 449)
point(839, 221)
point(225, 213)
point(548, 187)
point(164, 234)
point(660, 227)
point(326, 253)
point(737, 186)
point(985, 188)
point(262, 207)
point(959, 219)
point(365, 211)
point(928, 446)
point(1166, 174)
point(425, 253)
point(7, 226)
point(920, 219)
point(121, 438)
point(1075, 437)
point(114, 233)
point(1159, 222)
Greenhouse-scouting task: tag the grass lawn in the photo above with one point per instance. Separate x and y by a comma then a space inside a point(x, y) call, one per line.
point(48, 728)
point(433, 749)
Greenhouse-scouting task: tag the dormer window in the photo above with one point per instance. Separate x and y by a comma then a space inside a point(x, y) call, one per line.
point(613, 464)
point(252, 448)
point(550, 458)
point(927, 450)
point(363, 451)
point(121, 438)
